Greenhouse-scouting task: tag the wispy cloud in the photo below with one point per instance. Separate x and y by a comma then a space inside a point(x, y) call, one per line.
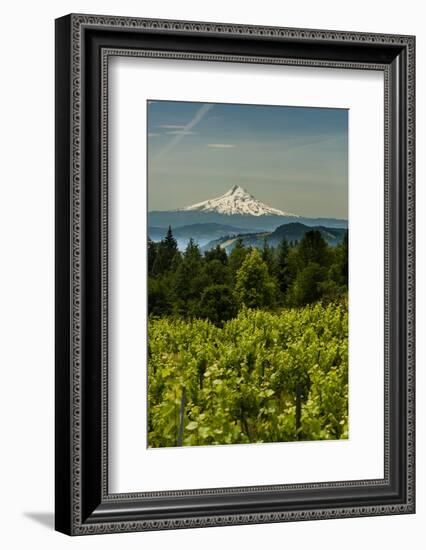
point(181, 133)
point(199, 115)
point(153, 134)
point(221, 145)
point(171, 126)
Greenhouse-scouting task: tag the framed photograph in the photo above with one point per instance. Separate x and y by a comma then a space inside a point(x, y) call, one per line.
point(234, 274)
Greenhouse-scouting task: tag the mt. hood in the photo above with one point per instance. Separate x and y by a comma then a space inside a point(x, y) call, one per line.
point(237, 201)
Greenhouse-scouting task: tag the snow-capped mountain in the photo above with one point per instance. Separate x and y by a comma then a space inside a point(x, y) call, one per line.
point(237, 201)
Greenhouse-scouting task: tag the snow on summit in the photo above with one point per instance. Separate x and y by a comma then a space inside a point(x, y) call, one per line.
point(237, 201)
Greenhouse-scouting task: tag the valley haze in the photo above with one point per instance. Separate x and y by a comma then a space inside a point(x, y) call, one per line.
point(216, 221)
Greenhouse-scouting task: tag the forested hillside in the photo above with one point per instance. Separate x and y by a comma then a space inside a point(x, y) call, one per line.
point(250, 347)
point(216, 286)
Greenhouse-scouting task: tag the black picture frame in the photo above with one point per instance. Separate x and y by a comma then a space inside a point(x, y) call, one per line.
point(83, 45)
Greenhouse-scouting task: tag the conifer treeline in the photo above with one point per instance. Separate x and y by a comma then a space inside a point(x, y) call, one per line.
point(215, 285)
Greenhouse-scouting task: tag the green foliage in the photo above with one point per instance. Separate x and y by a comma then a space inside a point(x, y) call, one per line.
point(241, 379)
point(282, 267)
point(164, 254)
point(341, 267)
point(237, 256)
point(189, 280)
point(227, 363)
point(217, 304)
point(310, 265)
point(217, 253)
point(254, 288)
point(306, 287)
point(152, 253)
point(268, 256)
point(292, 274)
point(313, 249)
point(159, 297)
point(217, 273)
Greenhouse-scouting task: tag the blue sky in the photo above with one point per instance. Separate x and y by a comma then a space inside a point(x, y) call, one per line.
point(292, 158)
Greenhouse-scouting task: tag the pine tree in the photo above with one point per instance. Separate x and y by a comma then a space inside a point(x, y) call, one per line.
point(237, 256)
point(283, 269)
point(268, 257)
point(192, 253)
point(217, 273)
point(217, 253)
point(189, 280)
point(166, 251)
point(312, 248)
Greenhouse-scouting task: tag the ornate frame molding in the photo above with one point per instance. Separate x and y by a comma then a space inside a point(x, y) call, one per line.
point(72, 45)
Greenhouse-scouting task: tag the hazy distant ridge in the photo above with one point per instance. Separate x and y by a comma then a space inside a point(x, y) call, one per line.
point(290, 232)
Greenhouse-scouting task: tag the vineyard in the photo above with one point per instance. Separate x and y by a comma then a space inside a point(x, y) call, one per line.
point(262, 376)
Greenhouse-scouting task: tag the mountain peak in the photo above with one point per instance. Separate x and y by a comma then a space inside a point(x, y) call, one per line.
point(237, 201)
point(236, 189)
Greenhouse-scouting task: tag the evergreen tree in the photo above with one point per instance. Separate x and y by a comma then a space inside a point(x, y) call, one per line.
point(214, 285)
point(336, 284)
point(217, 304)
point(152, 253)
point(283, 268)
point(217, 273)
point(309, 264)
point(254, 286)
point(192, 253)
point(189, 280)
point(176, 262)
point(306, 287)
point(217, 253)
point(166, 251)
point(267, 256)
point(237, 256)
point(170, 241)
point(159, 302)
point(312, 248)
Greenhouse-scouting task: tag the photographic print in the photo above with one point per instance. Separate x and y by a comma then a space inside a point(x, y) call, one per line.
point(247, 259)
point(202, 290)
